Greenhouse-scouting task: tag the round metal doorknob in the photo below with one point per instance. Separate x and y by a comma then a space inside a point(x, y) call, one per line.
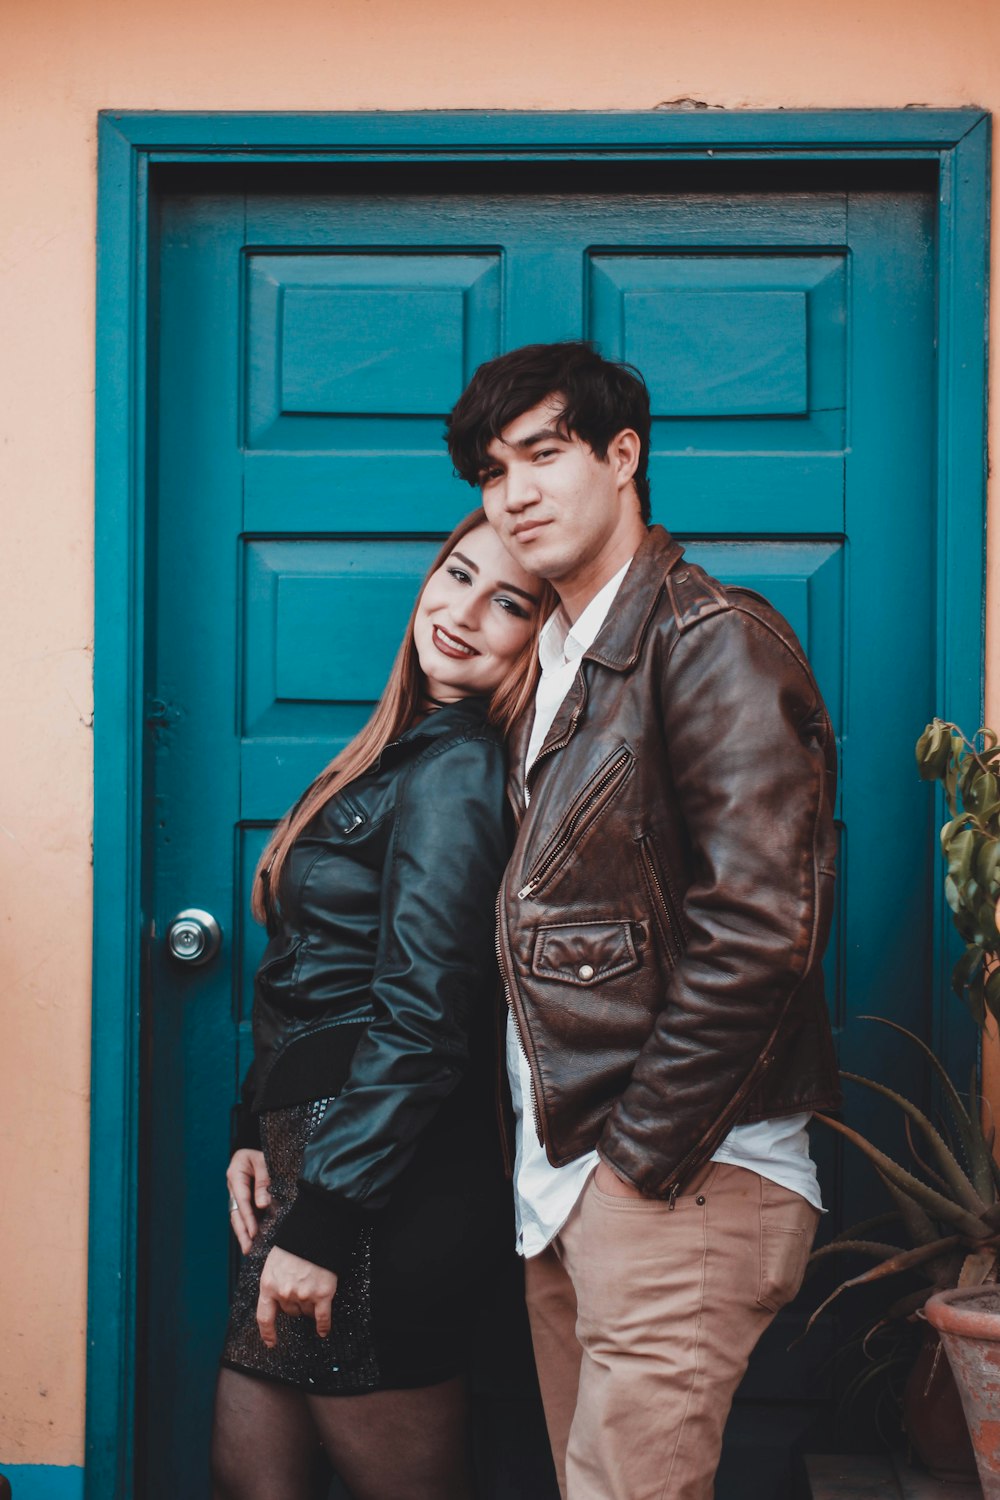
point(194, 936)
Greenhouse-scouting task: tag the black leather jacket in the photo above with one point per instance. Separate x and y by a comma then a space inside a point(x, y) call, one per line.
point(381, 961)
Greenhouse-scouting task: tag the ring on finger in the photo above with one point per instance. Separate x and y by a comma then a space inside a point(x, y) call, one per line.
point(233, 1205)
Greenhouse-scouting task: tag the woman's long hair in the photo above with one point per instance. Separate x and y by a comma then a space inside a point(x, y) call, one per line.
point(395, 711)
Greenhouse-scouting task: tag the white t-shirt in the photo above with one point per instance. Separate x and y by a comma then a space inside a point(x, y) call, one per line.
point(544, 1195)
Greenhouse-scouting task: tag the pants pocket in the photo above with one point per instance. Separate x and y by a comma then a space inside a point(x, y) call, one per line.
point(787, 1229)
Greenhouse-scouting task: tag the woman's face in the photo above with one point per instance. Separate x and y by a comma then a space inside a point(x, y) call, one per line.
point(475, 614)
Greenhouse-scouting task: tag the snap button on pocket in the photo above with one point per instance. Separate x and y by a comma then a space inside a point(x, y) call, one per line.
point(585, 953)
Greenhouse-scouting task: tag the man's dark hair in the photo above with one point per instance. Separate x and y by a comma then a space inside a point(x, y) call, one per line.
point(599, 398)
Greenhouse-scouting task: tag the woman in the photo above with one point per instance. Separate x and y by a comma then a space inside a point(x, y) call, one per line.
point(365, 1207)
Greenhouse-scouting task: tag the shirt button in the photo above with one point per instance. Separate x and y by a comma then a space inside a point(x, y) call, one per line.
point(586, 971)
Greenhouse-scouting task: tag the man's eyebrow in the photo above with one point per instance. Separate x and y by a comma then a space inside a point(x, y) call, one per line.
point(546, 435)
point(511, 588)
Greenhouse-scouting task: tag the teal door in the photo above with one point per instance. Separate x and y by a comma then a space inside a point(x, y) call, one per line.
point(310, 336)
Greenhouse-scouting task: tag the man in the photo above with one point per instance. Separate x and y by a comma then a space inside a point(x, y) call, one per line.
point(661, 927)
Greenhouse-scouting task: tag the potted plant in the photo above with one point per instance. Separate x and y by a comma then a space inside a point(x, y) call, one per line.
point(948, 1207)
point(970, 842)
point(943, 1226)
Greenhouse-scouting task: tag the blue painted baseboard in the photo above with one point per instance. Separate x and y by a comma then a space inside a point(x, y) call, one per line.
point(43, 1481)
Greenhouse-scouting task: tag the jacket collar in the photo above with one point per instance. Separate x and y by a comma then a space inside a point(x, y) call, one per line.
point(619, 641)
point(464, 713)
point(618, 644)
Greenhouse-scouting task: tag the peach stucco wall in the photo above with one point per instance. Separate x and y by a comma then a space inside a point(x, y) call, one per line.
point(63, 60)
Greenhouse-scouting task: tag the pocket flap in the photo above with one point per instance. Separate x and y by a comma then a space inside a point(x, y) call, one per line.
point(584, 953)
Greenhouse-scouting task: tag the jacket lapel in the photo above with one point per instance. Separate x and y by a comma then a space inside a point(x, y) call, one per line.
point(617, 646)
point(619, 640)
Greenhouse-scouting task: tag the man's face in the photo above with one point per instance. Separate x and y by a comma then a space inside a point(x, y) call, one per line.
point(555, 505)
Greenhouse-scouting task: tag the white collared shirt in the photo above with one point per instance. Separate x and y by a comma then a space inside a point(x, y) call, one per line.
point(544, 1195)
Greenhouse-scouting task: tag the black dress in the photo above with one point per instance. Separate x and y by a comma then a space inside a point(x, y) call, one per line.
point(372, 1089)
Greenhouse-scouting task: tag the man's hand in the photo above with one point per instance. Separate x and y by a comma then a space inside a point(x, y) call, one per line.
point(249, 1185)
point(609, 1182)
point(299, 1288)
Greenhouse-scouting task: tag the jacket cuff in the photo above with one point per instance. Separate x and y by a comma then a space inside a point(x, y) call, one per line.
point(320, 1228)
point(246, 1130)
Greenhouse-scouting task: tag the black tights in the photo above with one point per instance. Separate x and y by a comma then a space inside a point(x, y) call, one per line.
point(271, 1442)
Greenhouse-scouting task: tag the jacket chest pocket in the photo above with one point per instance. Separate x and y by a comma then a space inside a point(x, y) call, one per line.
point(346, 817)
point(585, 953)
point(279, 970)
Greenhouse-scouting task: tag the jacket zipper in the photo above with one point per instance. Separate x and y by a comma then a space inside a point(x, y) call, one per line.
point(672, 926)
point(512, 1011)
point(710, 1140)
point(575, 822)
point(565, 738)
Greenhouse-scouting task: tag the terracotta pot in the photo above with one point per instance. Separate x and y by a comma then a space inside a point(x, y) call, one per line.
point(968, 1321)
point(933, 1415)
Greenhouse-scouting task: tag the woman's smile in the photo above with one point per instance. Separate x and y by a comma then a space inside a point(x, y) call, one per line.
point(451, 645)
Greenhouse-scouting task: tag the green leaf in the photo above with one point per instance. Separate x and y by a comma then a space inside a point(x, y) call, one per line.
point(951, 1092)
point(960, 852)
point(934, 1202)
point(987, 795)
point(950, 829)
point(861, 1230)
point(986, 864)
point(967, 1122)
point(919, 1224)
point(985, 908)
point(907, 1260)
point(933, 751)
point(963, 970)
point(967, 780)
point(969, 783)
point(875, 1248)
point(955, 1178)
point(966, 924)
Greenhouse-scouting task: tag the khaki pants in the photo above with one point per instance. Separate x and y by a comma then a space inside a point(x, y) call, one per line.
point(643, 1319)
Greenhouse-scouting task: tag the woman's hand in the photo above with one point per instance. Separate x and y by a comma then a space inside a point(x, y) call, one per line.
point(298, 1288)
point(249, 1184)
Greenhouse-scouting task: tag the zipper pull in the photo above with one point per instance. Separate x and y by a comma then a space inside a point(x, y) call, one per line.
point(526, 890)
point(672, 1196)
point(355, 822)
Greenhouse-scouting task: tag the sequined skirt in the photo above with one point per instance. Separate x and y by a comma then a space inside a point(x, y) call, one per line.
point(401, 1312)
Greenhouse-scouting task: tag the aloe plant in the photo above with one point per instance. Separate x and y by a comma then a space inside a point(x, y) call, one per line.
point(948, 1208)
point(969, 771)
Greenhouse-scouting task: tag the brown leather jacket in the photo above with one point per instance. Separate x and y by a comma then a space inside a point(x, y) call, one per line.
point(665, 910)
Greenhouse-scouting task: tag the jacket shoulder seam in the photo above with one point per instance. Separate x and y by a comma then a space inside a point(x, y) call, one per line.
point(694, 596)
point(797, 655)
point(751, 617)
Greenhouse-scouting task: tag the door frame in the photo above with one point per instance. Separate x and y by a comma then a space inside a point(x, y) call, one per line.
point(130, 144)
